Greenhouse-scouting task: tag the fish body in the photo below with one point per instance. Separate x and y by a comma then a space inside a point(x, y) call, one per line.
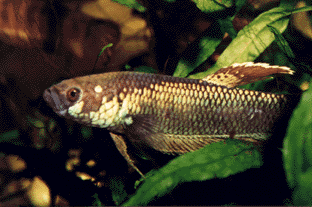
point(169, 114)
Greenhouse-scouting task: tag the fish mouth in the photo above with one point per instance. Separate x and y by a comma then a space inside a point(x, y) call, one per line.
point(55, 101)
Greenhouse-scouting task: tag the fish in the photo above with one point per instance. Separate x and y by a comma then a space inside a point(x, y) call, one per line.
point(173, 115)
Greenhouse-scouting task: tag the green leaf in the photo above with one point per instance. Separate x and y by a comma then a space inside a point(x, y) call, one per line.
point(35, 122)
point(128, 67)
point(42, 137)
point(227, 26)
point(97, 201)
point(145, 69)
point(252, 40)
point(118, 192)
point(216, 160)
point(132, 4)
point(239, 4)
point(51, 125)
point(297, 151)
point(86, 132)
point(209, 6)
point(257, 85)
point(201, 49)
point(11, 137)
point(104, 48)
point(282, 42)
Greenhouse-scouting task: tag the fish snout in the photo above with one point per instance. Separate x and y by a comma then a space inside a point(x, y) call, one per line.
point(56, 101)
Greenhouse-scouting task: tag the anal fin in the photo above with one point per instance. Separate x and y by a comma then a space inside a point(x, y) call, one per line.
point(145, 133)
point(180, 144)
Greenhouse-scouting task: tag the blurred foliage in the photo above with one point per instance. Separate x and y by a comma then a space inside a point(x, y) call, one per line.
point(132, 4)
point(145, 69)
point(249, 43)
point(214, 6)
point(201, 49)
point(97, 201)
point(118, 192)
point(11, 137)
point(268, 37)
point(297, 151)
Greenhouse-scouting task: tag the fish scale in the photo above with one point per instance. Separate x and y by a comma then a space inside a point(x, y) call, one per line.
point(169, 114)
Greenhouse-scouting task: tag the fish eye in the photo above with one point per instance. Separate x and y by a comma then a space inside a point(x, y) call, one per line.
point(73, 94)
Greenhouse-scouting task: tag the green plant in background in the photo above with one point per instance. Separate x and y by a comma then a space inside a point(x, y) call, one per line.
point(297, 151)
point(216, 160)
point(221, 160)
point(254, 38)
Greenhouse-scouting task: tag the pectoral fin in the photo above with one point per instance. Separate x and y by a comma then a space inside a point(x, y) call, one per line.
point(122, 148)
point(244, 73)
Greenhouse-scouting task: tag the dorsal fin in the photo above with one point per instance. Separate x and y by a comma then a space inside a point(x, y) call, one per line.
point(243, 73)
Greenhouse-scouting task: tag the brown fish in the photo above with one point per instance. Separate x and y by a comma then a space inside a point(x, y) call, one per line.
point(169, 114)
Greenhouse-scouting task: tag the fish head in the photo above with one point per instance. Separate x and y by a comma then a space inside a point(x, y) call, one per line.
point(62, 96)
point(90, 100)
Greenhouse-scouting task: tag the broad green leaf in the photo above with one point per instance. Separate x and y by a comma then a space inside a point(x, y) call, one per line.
point(132, 4)
point(282, 42)
point(199, 51)
point(256, 86)
point(218, 160)
point(297, 151)
point(206, 45)
point(253, 39)
point(209, 6)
